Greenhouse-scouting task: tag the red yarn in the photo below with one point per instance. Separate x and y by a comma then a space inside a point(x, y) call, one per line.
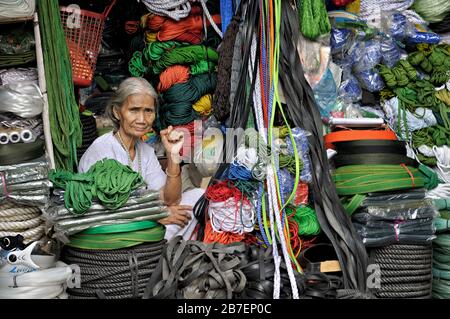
point(189, 29)
point(222, 191)
point(224, 237)
point(172, 75)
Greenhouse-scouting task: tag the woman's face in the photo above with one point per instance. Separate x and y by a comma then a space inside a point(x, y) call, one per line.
point(136, 115)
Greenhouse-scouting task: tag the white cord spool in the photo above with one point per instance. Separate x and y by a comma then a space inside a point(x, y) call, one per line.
point(4, 138)
point(14, 137)
point(26, 135)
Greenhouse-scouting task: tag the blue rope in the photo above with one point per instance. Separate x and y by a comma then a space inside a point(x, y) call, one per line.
point(238, 172)
point(259, 215)
point(226, 13)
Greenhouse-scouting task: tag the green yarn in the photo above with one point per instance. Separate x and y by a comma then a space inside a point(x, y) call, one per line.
point(313, 17)
point(429, 136)
point(306, 219)
point(176, 108)
point(185, 55)
point(202, 67)
point(288, 161)
point(107, 180)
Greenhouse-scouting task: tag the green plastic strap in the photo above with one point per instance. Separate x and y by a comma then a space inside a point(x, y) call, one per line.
point(354, 203)
point(117, 240)
point(120, 228)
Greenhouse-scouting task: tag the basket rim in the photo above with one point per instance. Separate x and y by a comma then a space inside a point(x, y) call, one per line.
point(83, 12)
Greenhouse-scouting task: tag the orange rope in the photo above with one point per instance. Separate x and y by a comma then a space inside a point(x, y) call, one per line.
point(224, 237)
point(189, 29)
point(172, 75)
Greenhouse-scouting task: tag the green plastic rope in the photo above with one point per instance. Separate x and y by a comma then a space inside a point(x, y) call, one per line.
point(108, 181)
point(306, 219)
point(313, 17)
point(64, 116)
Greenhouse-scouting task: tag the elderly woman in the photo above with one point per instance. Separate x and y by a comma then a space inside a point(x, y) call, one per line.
point(133, 110)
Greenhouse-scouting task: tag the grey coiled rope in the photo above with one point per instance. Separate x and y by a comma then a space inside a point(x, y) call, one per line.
point(405, 271)
point(114, 274)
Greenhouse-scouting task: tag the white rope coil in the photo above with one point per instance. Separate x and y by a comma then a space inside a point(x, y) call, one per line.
point(175, 9)
point(41, 284)
point(231, 216)
point(28, 235)
point(21, 225)
point(19, 218)
point(372, 10)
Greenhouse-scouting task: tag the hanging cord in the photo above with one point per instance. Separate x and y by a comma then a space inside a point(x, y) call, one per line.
point(63, 109)
point(331, 215)
point(210, 19)
point(221, 97)
point(113, 274)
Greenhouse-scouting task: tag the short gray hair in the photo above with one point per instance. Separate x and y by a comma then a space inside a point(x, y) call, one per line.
point(128, 87)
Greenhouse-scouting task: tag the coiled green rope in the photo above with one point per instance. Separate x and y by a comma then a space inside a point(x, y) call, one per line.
point(107, 180)
point(313, 18)
point(192, 54)
point(306, 219)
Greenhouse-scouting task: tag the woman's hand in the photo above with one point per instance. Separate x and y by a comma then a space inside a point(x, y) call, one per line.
point(172, 140)
point(179, 215)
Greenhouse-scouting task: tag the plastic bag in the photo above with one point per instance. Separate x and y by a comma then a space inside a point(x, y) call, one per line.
point(22, 98)
point(350, 90)
point(390, 52)
point(370, 80)
point(340, 40)
point(325, 93)
point(367, 55)
point(208, 152)
point(302, 144)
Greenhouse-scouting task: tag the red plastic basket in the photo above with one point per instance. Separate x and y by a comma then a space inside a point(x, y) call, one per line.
point(83, 36)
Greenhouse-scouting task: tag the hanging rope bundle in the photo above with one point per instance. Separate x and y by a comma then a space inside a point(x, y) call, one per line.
point(107, 180)
point(113, 274)
point(174, 9)
point(189, 29)
point(204, 105)
point(176, 108)
point(313, 18)
point(192, 54)
point(172, 75)
point(221, 97)
point(441, 270)
point(63, 109)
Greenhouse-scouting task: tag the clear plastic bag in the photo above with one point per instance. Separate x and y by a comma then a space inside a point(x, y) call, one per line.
point(350, 90)
point(22, 98)
point(370, 80)
point(325, 93)
point(390, 52)
point(367, 55)
point(302, 144)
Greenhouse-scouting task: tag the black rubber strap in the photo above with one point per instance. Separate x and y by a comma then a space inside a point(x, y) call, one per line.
point(373, 159)
point(371, 146)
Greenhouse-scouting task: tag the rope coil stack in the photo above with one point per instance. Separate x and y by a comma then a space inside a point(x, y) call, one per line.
point(114, 274)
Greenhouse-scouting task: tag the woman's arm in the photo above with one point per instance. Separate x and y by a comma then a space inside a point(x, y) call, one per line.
point(173, 142)
point(172, 189)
